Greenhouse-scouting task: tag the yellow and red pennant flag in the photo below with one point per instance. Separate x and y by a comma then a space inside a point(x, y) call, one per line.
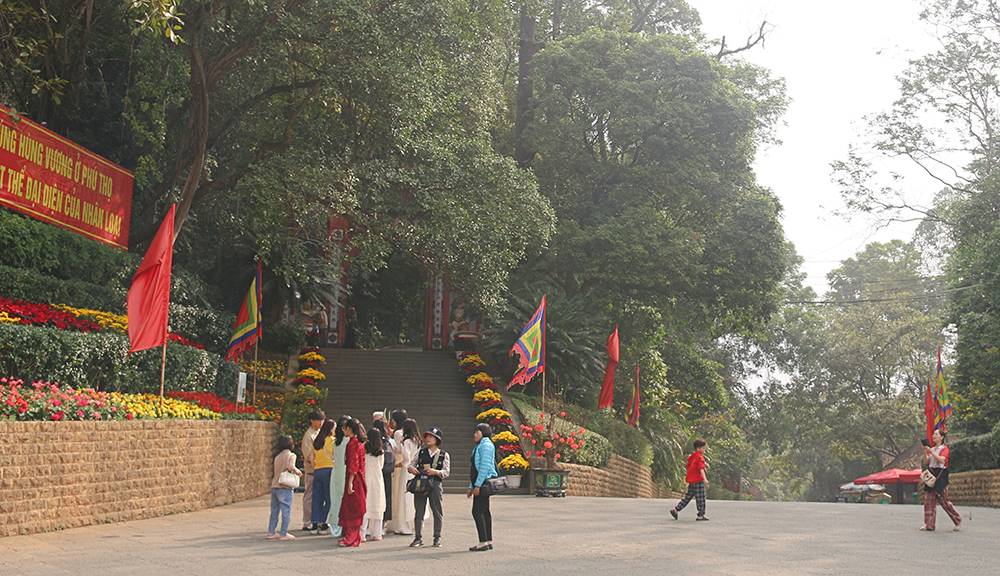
point(531, 347)
point(248, 322)
point(632, 412)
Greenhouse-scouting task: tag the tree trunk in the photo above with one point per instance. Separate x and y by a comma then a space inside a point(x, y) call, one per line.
point(525, 84)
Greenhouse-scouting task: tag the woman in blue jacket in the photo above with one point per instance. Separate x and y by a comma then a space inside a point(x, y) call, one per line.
point(483, 468)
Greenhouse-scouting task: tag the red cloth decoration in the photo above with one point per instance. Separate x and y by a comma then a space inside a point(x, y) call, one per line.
point(149, 296)
point(608, 386)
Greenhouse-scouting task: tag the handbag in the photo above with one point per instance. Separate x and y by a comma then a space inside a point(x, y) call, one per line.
point(288, 479)
point(495, 485)
point(421, 484)
point(928, 478)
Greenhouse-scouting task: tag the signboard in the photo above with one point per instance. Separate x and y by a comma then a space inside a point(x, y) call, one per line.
point(51, 178)
point(241, 388)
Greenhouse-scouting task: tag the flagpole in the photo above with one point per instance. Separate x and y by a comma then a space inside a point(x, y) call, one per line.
point(255, 369)
point(163, 374)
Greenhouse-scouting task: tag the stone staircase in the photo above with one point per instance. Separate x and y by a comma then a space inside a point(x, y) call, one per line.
point(427, 385)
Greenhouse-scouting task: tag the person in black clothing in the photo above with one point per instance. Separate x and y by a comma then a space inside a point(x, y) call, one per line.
point(434, 463)
point(351, 329)
point(387, 468)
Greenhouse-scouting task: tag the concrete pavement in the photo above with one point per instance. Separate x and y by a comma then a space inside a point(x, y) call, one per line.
point(579, 536)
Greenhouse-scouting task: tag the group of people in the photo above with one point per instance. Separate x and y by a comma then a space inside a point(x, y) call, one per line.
point(356, 480)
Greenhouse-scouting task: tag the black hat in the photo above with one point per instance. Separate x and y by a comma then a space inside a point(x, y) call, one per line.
point(435, 432)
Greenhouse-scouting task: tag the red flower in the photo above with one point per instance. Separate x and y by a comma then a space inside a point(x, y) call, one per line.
point(539, 427)
point(548, 444)
point(562, 414)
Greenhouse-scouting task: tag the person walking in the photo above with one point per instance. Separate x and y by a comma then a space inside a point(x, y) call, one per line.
point(403, 514)
point(316, 419)
point(436, 465)
point(936, 460)
point(374, 485)
point(323, 468)
point(281, 496)
point(697, 481)
point(338, 477)
point(352, 505)
point(483, 468)
point(388, 465)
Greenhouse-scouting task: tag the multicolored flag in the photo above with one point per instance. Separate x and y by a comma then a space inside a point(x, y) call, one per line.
point(929, 411)
point(531, 346)
point(608, 386)
point(942, 406)
point(149, 297)
point(248, 322)
point(632, 412)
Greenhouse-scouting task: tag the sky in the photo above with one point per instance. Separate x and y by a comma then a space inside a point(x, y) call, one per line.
point(840, 62)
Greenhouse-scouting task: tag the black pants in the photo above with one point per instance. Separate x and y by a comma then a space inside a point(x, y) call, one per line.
point(387, 480)
point(697, 491)
point(420, 504)
point(483, 518)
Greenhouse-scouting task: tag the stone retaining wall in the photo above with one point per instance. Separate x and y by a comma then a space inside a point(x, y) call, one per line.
point(978, 488)
point(57, 475)
point(623, 478)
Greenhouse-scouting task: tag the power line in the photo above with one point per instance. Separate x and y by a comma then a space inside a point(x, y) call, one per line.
point(875, 300)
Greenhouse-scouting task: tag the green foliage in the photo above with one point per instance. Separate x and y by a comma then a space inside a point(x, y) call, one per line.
point(973, 453)
point(295, 413)
point(596, 450)
point(54, 252)
point(31, 286)
point(389, 303)
point(101, 361)
point(282, 337)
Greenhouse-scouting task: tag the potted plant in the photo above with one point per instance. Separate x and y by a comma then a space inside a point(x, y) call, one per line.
point(513, 467)
point(549, 443)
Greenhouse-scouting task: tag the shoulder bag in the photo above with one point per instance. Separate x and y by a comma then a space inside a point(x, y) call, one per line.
point(494, 486)
point(421, 483)
point(288, 480)
point(928, 478)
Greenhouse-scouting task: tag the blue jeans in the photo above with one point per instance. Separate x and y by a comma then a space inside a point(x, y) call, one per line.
point(281, 499)
point(321, 495)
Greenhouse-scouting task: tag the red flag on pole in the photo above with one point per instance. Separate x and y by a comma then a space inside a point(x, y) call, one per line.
point(929, 412)
point(149, 296)
point(608, 386)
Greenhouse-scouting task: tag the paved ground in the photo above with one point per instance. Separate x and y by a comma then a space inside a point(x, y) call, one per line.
point(579, 536)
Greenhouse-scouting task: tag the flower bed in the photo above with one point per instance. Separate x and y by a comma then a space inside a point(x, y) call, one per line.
point(310, 363)
point(510, 455)
point(47, 401)
point(66, 317)
point(270, 370)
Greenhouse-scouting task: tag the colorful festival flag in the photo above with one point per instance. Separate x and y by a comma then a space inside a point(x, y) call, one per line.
point(248, 322)
point(942, 406)
point(149, 297)
point(531, 346)
point(632, 412)
point(929, 411)
point(608, 386)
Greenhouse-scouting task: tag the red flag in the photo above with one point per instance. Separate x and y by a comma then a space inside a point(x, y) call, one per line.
point(608, 386)
point(929, 412)
point(149, 296)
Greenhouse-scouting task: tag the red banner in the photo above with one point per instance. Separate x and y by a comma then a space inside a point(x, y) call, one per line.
point(57, 181)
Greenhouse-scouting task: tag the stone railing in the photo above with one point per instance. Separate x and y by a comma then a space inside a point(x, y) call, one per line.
point(56, 475)
point(622, 478)
point(977, 488)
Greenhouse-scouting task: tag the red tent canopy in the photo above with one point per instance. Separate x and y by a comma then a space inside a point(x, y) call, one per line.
point(890, 477)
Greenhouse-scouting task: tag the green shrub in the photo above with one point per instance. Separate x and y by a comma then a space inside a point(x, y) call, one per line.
point(625, 440)
point(33, 286)
point(282, 337)
point(47, 249)
point(208, 327)
point(973, 453)
point(295, 413)
point(596, 449)
point(101, 361)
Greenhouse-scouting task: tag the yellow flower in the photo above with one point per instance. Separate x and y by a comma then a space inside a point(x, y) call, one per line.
point(471, 359)
point(312, 357)
point(310, 373)
point(5, 318)
point(106, 320)
point(513, 463)
point(482, 377)
point(493, 414)
point(505, 438)
point(485, 396)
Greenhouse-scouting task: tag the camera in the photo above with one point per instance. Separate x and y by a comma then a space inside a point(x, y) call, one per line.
point(925, 442)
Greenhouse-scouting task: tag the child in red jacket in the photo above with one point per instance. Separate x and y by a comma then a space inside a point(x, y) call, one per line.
point(697, 481)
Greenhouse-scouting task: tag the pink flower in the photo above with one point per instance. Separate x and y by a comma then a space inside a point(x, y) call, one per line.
point(79, 413)
point(97, 415)
point(128, 416)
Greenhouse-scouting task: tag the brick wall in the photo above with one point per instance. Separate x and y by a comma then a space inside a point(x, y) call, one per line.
point(978, 488)
point(68, 474)
point(622, 478)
